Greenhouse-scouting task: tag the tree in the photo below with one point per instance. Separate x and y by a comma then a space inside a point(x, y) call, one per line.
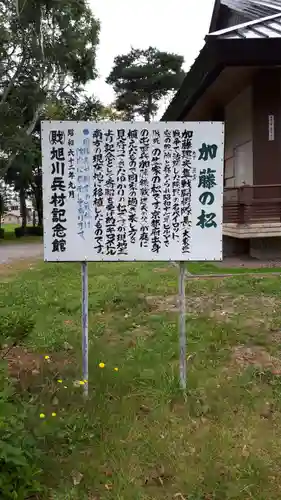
point(46, 49)
point(111, 113)
point(80, 106)
point(73, 106)
point(19, 176)
point(142, 78)
point(3, 203)
point(25, 174)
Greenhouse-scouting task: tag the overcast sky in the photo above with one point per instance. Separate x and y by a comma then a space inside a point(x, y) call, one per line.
point(177, 26)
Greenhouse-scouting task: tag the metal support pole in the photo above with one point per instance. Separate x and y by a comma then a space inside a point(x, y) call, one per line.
point(182, 332)
point(85, 343)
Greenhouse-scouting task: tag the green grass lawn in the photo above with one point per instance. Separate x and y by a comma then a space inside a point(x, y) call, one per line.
point(137, 437)
point(9, 228)
point(10, 237)
point(211, 268)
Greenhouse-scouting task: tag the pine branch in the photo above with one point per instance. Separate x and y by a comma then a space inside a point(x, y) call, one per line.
point(28, 131)
point(12, 81)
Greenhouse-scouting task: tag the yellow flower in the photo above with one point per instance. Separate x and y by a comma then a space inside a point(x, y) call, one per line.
point(60, 381)
point(42, 415)
point(47, 357)
point(116, 369)
point(81, 382)
point(101, 365)
point(54, 414)
point(85, 381)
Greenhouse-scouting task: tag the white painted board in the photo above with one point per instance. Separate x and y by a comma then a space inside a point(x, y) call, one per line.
point(124, 191)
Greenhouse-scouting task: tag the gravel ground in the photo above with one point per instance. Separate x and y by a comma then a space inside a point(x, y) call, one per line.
point(10, 253)
point(248, 262)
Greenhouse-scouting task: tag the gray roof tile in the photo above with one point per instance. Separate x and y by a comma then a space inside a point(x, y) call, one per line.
point(254, 8)
point(266, 27)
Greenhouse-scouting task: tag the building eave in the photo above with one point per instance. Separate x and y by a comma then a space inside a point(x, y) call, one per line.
point(215, 14)
point(215, 55)
point(266, 27)
point(198, 76)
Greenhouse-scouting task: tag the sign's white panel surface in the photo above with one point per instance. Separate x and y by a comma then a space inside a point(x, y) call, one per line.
point(132, 191)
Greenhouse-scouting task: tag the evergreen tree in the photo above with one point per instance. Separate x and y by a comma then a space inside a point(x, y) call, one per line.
point(142, 78)
point(47, 47)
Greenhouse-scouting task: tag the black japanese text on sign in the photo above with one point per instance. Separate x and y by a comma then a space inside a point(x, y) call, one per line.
point(207, 182)
point(71, 164)
point(110, 186)
point(98, 194)
point(58, 189)
point(144, 168)
point(186, 175)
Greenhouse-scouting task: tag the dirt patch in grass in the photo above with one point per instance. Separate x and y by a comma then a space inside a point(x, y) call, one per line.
point(25, 365)
point(162, 304)
point(129, 337)
point(141, 331)
point(254, 310)
point(11, 269)
point(161, 269)
point(138, 333)
point(256, 356)
point(275, 336)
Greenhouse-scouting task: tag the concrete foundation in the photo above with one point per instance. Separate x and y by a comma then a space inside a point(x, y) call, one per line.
point(266, 248)
point(233, 247)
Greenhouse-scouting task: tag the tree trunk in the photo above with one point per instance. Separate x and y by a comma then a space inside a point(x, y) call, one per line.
point(38, 198)
point(149, 106)
point(28, 131)
point(1, 210)
point(39, 207)
point(11, 82)
point(40, 214)
point(23, 210)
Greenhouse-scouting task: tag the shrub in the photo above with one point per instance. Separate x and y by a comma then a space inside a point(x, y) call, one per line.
point(29, 231)
point(34, 231)
point(19, 453)
point(19, 232)
point(2, 233)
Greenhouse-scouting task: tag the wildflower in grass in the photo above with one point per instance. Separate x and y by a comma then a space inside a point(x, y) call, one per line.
point(81, 382)
point(47, 357)
point(42, 415)
point(54, 414)
point(65, 386)
point(60, 381)
point(116, 369)
point(101, 365)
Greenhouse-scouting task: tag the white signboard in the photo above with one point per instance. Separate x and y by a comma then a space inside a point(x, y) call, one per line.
point(132, 191)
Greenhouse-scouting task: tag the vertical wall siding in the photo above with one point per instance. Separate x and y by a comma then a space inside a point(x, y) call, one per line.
point(238, 140)
point(267, 101)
